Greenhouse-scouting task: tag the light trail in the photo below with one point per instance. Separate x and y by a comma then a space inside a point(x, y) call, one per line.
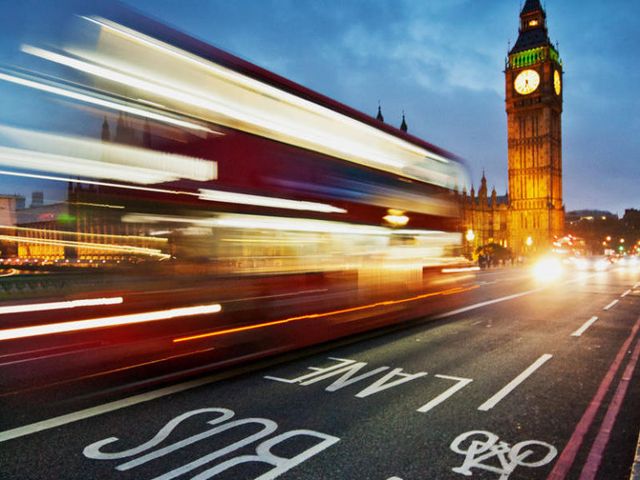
point(262, 201)
point(152, 252)
point(9, 273)
point(94, 100)
point(255, 85)
point(54, 152)
point(79, 325)
point(94, 182)
point(42, 307)
point(274, 113)
point(461, 270)
point(85, 234)
point(385, 303)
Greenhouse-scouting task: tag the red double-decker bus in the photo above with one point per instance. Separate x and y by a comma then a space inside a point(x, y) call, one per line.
point(225, 213)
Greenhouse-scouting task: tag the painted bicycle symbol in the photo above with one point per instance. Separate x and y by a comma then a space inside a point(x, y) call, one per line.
point(484, 451)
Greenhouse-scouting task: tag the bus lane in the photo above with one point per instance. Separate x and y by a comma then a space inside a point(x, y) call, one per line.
point(459, 398)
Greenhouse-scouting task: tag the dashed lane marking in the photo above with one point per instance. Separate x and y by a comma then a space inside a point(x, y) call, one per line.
point(511, 386)
point(488, 302)
point(611, 305)
point(584, 327)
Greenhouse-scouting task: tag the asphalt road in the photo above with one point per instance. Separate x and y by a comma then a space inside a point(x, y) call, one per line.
point(517, 381)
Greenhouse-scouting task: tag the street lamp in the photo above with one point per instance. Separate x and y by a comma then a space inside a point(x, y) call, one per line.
point(529, 241)
point(608, 238)
point(470, 235)
point(622, 240)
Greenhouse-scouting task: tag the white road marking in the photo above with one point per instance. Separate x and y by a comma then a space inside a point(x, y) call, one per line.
point(611, 305)
point(493, 401)
point(625, 293)
point(461, 383)
point(220, 424)
point(137, 399)
point(487, 446)
point(584, 327)
point(104, 408)
point(488, 302)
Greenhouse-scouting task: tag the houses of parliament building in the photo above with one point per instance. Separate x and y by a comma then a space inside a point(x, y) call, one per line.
point(531, 214)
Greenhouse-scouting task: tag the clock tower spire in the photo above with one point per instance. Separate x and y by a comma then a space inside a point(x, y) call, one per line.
point(533, 85)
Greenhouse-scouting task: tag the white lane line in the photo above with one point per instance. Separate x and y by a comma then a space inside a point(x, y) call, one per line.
point(584, 327)
point(105, 408)
point(503, 299)
point(493, 401)
point(488, 302)
point(625, 293)
point(611, 305)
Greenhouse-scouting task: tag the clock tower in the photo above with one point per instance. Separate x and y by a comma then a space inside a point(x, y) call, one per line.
point(533, 79)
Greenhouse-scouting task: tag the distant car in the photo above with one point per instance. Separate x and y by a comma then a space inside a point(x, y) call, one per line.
point(628, 261)
point(596, 263)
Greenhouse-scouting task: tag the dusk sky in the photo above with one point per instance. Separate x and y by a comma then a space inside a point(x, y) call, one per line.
point(442, 62)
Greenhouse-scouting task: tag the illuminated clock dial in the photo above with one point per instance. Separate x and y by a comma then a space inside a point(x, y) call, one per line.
point(557, 83)
point(527, 81)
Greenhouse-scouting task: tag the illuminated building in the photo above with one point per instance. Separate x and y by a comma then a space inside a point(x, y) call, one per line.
point(486, 216)
point(532, 214)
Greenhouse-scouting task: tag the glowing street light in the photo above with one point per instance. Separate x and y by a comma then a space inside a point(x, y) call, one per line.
point(622, 240)
point(471, 236)
point(529, 241)
point(608, 238)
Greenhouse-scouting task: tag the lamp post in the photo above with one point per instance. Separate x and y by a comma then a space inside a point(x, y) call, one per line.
point(529, 243)
point(470, 236)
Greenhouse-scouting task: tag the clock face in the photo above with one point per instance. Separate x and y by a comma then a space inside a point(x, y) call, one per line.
point(526, 82)
point(557, 83)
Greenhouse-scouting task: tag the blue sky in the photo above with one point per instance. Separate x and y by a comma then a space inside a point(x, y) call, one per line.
point(442, 61)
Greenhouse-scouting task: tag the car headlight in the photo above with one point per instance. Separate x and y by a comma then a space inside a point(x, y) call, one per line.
point(601, 265)
point(547, 269)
